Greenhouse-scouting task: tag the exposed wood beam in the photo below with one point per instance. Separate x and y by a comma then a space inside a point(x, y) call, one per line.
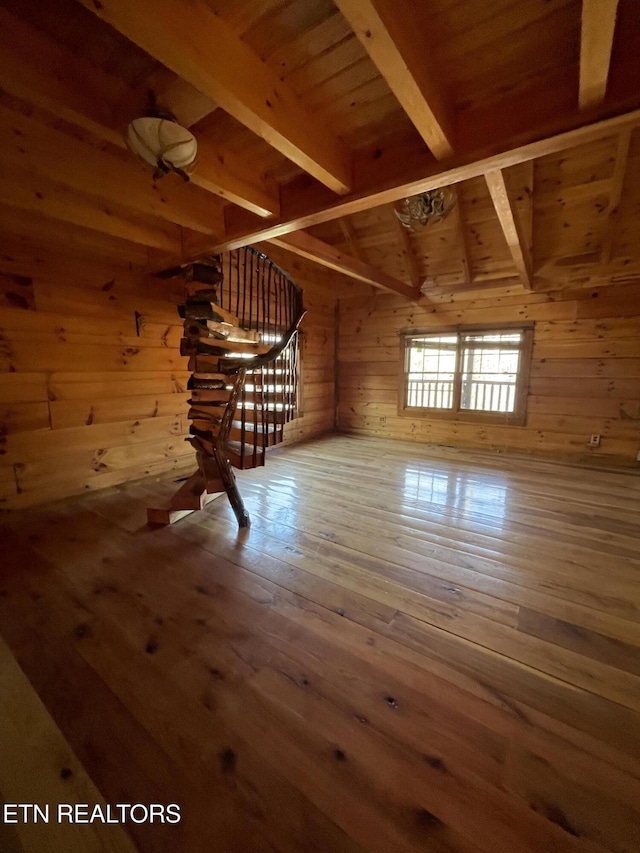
point(75, 91)
point(53, 261)
point(303, 209)
point(200, 48)
point(596, 43)
point(408, 254)
point(164, 89)
point(309, 247)
point(350, 237)
point(58, 82)
point(617, 184)
point(24, 226)
point(220, 172)
point(225, 175)
point(388, 33)
point(523, 203)
point(458, 221)
point(511, 225)
point(186, 103)
point(619, 169)
point(38, 148)
point(37, 194)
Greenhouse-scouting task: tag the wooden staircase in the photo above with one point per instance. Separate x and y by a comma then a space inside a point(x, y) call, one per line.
point(241, 317)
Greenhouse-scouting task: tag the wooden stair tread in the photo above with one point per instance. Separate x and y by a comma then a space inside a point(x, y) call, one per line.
point(245, 456)
point(221, 347)
point(249, 426)
point(236, 448)
point(269, 438)
point(279, 417)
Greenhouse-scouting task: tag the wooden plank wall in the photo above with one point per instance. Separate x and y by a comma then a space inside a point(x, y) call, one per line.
point(321, 290)
point(88, 399)
point(585, 375)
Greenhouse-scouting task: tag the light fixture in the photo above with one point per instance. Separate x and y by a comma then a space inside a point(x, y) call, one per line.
point(427, 285)
point(417, 211)
point(164, 144)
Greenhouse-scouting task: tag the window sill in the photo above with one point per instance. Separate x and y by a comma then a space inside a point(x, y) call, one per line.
point(499, 418)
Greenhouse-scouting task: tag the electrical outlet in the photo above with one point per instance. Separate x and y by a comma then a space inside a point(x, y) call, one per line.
point(594, 441)
point(383, 420)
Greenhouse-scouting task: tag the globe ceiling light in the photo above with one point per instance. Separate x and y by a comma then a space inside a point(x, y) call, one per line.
point(164, 144)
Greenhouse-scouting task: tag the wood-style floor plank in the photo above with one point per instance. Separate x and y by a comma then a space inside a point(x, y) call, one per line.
point(409, 649)
point(39, 767)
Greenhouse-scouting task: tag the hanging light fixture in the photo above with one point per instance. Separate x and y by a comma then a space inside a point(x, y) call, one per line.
point(417, 211)
point(164, 144)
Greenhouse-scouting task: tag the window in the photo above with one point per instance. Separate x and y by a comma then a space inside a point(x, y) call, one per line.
point(469, 374)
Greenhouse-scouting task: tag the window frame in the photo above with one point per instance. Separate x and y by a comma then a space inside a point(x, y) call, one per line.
point(516, 418)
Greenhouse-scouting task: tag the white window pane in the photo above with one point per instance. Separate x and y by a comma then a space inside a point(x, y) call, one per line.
point(431, 366)
point(489, 377)
point(482, 366)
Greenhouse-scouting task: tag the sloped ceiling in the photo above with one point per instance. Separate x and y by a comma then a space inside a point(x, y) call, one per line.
point(318, 116)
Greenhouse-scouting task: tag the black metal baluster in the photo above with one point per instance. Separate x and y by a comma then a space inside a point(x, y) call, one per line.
point(255, 422)
point(251, 286)
point(244, 288)
point(243, 409)
point(241, 280)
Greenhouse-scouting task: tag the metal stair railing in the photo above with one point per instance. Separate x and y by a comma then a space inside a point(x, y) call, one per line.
point(241, 315)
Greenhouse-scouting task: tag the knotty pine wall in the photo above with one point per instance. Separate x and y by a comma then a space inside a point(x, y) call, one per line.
point(585, 374)
point(318, 342)
point(88, 399)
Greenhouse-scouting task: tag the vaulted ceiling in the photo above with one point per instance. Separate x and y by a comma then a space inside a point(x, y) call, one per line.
point(314, 117)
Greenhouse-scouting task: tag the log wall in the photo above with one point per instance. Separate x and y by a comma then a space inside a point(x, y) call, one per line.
point(92, 385)
point(585, 374)
point(318, 343)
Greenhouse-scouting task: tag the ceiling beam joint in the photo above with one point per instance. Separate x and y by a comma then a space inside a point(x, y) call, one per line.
point(396, 46)
point(192, 41)
point(309, 247)
point(511, 225)
point(596, 44)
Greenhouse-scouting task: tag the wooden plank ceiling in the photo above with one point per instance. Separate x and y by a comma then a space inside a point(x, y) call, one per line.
point(317, 115)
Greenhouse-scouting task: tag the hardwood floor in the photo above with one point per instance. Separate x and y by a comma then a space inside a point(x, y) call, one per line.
point(409, 650)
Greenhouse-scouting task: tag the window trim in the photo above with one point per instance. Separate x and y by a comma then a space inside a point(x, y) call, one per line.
point(516, 418)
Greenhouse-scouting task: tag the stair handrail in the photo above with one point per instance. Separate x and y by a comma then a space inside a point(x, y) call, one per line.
point(230, 364)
